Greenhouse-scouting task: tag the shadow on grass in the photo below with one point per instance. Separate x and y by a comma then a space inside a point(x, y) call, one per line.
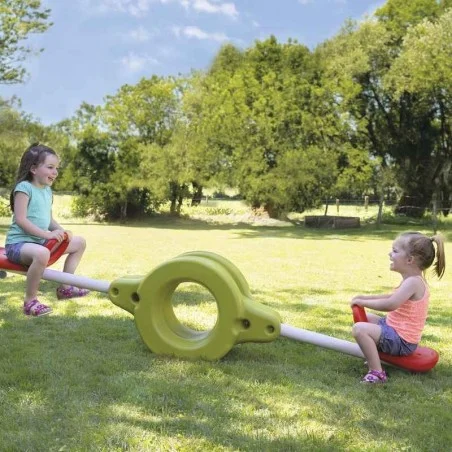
point(286, 230)
point(94, 384)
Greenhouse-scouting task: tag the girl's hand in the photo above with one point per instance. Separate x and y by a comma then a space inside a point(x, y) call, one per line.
point(69, 235)
point(57, 234)
point(357, 301)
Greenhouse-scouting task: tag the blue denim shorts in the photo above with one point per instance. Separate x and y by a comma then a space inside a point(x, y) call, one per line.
point(391, 343)
point(12, 251)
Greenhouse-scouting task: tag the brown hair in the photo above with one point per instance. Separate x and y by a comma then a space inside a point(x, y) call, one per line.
point(33, 156)
point(421, 248)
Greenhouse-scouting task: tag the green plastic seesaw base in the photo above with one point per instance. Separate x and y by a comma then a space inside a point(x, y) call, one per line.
point(240, 318)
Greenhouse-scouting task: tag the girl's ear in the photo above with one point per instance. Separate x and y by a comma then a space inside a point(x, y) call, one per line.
point(33, 169)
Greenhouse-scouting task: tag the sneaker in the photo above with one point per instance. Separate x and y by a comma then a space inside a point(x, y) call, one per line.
point(375, 376)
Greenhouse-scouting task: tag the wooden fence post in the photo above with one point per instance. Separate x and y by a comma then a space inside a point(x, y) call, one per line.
point(380, 210)
point(434, 213)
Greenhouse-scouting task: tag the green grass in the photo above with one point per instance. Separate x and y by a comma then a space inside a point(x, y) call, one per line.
point(81, 379)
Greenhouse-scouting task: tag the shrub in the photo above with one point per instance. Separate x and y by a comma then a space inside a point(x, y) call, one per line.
point(5, 211)
point(110, 202)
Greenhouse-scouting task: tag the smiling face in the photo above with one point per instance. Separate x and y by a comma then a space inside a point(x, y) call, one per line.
point(46, 172)
point(400, 259)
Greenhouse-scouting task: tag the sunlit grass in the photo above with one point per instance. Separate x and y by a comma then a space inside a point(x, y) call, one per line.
point(82, 379)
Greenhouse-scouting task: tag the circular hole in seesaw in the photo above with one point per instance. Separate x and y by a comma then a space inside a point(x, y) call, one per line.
point(195, 307)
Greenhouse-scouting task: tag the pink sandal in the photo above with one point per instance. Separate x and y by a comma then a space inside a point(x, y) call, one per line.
point(375, 376)
point(36, 309)
point(64, 293)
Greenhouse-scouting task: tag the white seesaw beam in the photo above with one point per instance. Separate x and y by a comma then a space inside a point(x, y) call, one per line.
point(321, 340)
point(72, 280)
point(97, 285)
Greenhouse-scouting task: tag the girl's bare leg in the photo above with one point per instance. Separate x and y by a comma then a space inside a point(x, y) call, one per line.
point(367, 336)
point(373, 318)
point(75, 251)
point(37, 257)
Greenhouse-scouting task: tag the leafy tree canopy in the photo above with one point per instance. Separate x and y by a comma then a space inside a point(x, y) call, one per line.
point(18, 18)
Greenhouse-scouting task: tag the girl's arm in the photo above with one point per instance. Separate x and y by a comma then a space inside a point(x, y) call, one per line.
point(372, 297)
point(20, 212)
point(406, 290)
point(54, 226)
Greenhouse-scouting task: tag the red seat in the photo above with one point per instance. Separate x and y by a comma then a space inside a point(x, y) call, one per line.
point(422, 360)
point(56, 250)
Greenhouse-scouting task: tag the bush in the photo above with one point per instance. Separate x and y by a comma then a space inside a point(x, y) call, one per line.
point(218, 211)
point(81, 206)
point(110, 202)
point(5, 211)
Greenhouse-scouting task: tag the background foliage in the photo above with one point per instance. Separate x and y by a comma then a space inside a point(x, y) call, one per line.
point(367, 112)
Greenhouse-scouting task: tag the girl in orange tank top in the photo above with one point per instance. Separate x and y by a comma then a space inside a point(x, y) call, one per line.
point(400, 331)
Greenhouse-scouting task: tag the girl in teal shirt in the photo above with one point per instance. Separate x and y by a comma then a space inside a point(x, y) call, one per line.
point(33, 225)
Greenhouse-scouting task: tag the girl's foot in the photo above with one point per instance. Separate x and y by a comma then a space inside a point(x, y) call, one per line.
point(375, 376)
point(36, 309)
point(64, 293)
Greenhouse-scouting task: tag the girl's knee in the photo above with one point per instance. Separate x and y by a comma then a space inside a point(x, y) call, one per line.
point(82, 242)
point(42, 256)
point(359, 328)
point(78, 243)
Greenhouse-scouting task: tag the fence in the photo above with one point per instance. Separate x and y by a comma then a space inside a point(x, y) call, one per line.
point(366, 209)
point(391, 210)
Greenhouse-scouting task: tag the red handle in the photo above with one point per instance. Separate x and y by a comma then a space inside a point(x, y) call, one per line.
point(359, 314)
point(56, 248)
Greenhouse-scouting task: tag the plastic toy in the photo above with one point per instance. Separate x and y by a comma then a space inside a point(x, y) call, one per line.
point(56, 251)
point(422, 360)
point(240, 319)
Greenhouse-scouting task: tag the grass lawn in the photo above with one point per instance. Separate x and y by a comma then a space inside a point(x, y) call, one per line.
point(81, 379)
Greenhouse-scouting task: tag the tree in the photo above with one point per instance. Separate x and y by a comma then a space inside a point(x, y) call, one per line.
point(17, 131)
point(13, 141)
point(401, 127)
point(430, 42)
point(261, 120)
point(286, 157)
point(18, 19)
point(147, 110)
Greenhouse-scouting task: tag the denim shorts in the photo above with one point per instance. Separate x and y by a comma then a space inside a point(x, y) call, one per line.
point(12, 251)
point(391, 343)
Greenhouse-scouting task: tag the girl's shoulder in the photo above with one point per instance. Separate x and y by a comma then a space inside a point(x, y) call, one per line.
point(24, 186)
point(418, 286)
point(415, 280)
point(27, 187)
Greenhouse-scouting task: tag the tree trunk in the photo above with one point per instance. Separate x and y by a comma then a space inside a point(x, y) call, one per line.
point(380, 210)
point(197, 194)
point(275, 212)
point(123, 211)
point(180, 200)
point(173, 198)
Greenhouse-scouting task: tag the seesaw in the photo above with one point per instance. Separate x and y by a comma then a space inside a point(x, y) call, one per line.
point(422, 360)
point(240, 319)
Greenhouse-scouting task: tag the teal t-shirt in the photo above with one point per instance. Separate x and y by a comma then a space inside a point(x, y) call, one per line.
point(39, 212)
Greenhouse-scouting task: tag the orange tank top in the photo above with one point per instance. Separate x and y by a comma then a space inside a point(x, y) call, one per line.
point(409, 318)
